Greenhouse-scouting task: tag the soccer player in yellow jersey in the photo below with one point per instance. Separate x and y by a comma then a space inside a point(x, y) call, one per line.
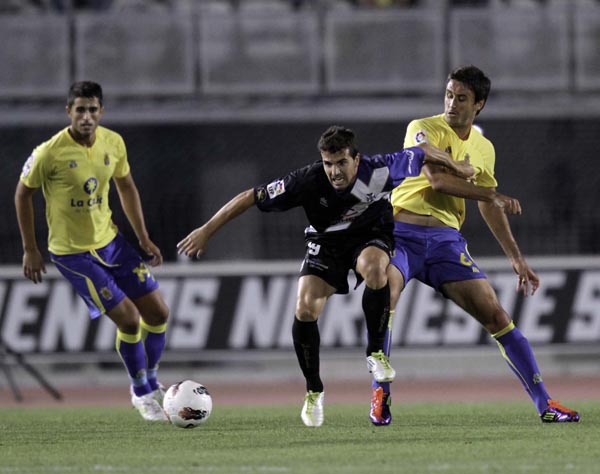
point(428, 212)
point(74, 169)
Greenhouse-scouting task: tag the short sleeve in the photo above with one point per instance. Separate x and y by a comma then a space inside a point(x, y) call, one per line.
point(34, 170)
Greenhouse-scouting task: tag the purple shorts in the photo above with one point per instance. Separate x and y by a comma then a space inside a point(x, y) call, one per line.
point(433, 255)
point(104, 277)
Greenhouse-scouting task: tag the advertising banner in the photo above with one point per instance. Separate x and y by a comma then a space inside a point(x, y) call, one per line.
point(250, 305)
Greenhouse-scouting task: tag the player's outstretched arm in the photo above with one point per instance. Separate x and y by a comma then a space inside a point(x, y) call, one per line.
point(447, 183)
point(33, 262)
point(497, 221)
point(435, 156)
point(194, 244)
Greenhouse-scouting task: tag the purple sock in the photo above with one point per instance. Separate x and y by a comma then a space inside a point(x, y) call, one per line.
point(134, 357)
point(517, 352)
point(154, 343)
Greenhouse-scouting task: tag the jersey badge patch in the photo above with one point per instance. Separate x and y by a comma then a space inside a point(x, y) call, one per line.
point(106, 293)
point(421, 136)
point(276, 188)
point(27, 166)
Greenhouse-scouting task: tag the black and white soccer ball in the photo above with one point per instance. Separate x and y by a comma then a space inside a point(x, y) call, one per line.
point(187, 404)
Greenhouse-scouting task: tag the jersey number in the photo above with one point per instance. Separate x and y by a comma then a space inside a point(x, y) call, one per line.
point(313, 249)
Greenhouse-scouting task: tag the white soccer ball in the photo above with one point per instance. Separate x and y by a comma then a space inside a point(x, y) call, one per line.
point(187, 404)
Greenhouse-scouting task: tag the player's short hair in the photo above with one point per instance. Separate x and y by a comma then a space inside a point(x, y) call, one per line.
point(87, 89)
point(336, 139)
point(475, 79)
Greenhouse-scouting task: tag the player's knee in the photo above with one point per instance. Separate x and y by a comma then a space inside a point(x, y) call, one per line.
point(305, 314)
point(375, 275)
point(157, 315)
point(497, 321)
point(126, 317)
point(128, 325)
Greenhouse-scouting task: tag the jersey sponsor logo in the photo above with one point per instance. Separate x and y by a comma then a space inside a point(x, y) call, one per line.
point(90, 185)
point(27, 166)
point(276, 188)
point(421, 136)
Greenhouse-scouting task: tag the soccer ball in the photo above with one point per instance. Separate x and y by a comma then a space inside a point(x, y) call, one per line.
point(187, 404)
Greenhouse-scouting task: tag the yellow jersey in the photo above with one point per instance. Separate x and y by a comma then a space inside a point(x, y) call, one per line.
point(415, 194)
point(75, 181)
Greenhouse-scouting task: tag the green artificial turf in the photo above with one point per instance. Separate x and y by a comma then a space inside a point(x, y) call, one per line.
point(503, 438)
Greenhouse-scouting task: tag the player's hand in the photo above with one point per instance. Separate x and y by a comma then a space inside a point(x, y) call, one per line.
point(464, 169)
point(193, 245)
point(527, 278)
point(33, 266)
point(508, 204)
point(151, 250)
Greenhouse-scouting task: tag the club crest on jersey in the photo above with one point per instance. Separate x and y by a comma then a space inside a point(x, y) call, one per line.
point(276, 188)
point(421, 136)
point(106, 293)
point(90, 185)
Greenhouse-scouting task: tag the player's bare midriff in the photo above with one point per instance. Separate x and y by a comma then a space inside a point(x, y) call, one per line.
point(418, 219)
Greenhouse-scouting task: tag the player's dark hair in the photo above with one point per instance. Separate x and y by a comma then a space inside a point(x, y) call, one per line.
point(336, 139)
point(87, 89)
point(474, 79)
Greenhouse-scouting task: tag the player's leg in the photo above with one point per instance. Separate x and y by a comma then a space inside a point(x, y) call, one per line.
point(130, 348)
point(478, 298)
point(381, 398)
point(371, 264)
point(135, 279)
point(154, 313)
point(313, 293)
point(93, 280)
point(129, 344)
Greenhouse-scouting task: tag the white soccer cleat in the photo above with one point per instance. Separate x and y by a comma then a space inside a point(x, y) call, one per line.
point(159, 394)
point(148, 407)
point(379, 366)
point(312, 411)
